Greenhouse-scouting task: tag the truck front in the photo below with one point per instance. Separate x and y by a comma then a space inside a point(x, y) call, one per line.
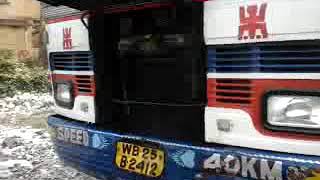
point(191, 90)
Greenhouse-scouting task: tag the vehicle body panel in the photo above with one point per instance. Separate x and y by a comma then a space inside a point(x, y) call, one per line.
point(68, 52)
point(259, 46)
point(284, 20)
point(73, 25)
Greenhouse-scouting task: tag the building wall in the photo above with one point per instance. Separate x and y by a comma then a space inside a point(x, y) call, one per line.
point(17, 20)
point(12, 38)
point(20, 9)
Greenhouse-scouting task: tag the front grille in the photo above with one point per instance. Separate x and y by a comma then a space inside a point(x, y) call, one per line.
point(72, 61)
point(84, 84)
point(293, 57)
point(234, 91)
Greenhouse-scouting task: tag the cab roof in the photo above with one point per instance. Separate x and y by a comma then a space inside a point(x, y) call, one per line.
point(76, 4)
point(93, 4)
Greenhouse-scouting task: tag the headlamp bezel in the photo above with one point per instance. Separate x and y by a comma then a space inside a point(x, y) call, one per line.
point(285, 92)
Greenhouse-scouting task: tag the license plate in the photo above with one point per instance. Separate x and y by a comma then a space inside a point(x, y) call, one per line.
point(140, 159)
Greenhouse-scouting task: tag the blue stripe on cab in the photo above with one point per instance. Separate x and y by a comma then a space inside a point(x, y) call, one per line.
point(72, 61)
point(299, 56)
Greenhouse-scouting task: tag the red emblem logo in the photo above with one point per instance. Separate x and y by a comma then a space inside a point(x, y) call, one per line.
point(252, 22)
point(67, 40)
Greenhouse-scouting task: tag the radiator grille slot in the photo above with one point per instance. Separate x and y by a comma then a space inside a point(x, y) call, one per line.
point(298, 56)
point(229, 91)
point(72, 61)
point(84, 84)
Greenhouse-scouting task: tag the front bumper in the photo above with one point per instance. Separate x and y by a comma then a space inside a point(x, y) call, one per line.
point(95, 153)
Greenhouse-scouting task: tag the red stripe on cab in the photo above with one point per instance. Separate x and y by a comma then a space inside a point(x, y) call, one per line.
point(248, 95)
point(83, 85)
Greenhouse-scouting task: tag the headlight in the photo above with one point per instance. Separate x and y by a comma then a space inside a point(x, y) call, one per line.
point(293, 110)
point(63, 94)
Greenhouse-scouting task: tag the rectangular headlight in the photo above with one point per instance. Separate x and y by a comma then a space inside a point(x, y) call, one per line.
point(63, 94)
point(295, 110)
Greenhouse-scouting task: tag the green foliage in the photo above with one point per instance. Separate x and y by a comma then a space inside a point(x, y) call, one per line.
point(17, 75)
